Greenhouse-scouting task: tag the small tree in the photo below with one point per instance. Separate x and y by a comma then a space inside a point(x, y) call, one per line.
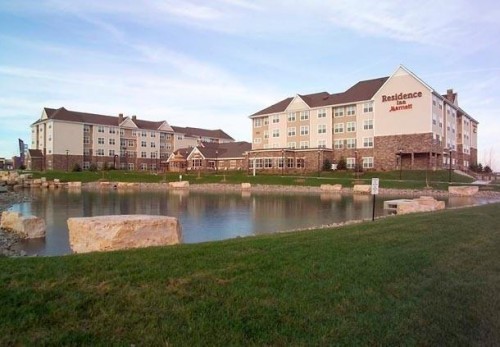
point(487, 169)
point(93, 167)
point(327, 165)
point(342, 164)
point(77, 167)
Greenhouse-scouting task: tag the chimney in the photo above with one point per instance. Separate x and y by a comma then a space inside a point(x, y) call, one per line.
point(449, 95)
point(120, 118)
point(134, 118)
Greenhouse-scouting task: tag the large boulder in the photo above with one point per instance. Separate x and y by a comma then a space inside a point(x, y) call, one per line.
point(463, 190)
point(331, 188)
point(362, 189)
point(246, 186)
point(75, 185)
point(180, 184)
point(421, 204)
point(108, 233)
point(30, 227)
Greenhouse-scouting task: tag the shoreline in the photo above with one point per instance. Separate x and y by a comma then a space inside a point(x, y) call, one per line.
point(9, 240)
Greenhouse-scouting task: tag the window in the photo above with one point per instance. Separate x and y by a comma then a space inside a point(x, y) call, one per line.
point(290, 163)
point(338, 112)
point(144, 133)
point(268, 163)
point(112, 130)
point(111, 152)
point(368, 107)
point(322, 113)
point(367, 162)
point(134, 133)
point(276, 118)
point(130, 166)
point(153, 145)
point(266, 134)
point(338, 144)
point(368, 124)
point(322, 129)
point(100, 140)
point(292, 131)
point(143, 144)
point(291, 117)
point(153, 134)
point(368, 142)
point(266, 121)
point(180, 137)
point(86, 165)
point(130, 143)
point(350, 162)
point(86, 140)
point(100, 151)
point(86, 129)
point(100, 129)
point(153, 155)
point(301, 163)
point(351, 127)
point(351, 110)
point(257, 122)
point(143, 155)
point(321, 143)
point(339, 128)
point(111, 141)
point(276, 133)
point(350, 143)
point(122, 132)
point(257, 140)
point(304, 144)
point(291, 145)
point(304, 115)
point(144, 166)
point(304, 130)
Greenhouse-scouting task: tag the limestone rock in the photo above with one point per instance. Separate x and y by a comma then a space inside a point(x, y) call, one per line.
point(74, 185)
point(362, 188)
point(463, 190)
point(27, 226)
point(107, 233)
point(327, 188)
point(246, 186)
point(421, 204)
point(180, 184)
point(104, 184)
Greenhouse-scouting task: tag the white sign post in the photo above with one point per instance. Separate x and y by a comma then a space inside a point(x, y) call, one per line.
point(374, 192)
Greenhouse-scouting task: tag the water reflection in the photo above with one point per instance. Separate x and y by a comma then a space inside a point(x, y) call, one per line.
point(203, 216)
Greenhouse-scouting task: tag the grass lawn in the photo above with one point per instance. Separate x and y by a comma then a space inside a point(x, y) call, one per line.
point(426, 279)
point(389, 179)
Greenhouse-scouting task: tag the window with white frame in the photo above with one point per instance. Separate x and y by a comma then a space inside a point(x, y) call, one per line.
point(130, 143)
point(257, 122)
point(100, 151)
point(257, 140)
point(86, 165)
point(130, 166)
point(304, 144)
point(322, 113)
point(351, 110)
point(112, 130)
point(276, 133)
point(153, 145)
point(268, 163)
point(86, 128)
point(321, 143)
point(338, 128)
point(368, 124)
point(300, 163)
point(144, 166)
point(144, 144)
point(291, 145)
point(144, 133)
point(276, 118)
point(350, 162)
point(367, 162)
point(338, 144)
point(86, 152)
point(350, 143)
point(153, 155)
point(368, 107)
point(291, 131)
point(143, 155)
point(112, 141)
point(266, 120)
point(338, 112)
point(304, 130)
point(266, 134)
point(367, 142)
point(321, 128)
point(304, 115)
point(291, 117)
point(111, 152)
point(100, 140)
point(86, 140)
point(100, 129)
point(122, 132)
point(152, 134)
point(351, 127)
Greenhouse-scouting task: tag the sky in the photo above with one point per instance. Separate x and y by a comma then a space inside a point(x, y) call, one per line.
point(211, 64)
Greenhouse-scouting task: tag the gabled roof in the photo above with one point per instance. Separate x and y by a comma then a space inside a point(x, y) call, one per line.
point(99, 119)
point(224, 150)
point(361, 91)
point(198, 132)
point(35, 153)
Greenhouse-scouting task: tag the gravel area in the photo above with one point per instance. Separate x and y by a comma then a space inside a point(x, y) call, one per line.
point(9, 240)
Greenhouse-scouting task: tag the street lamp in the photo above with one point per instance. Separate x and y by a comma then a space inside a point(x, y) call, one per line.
point(282, 161)
point(216, 161)
point(356, 164)
point(67, 160)
point(400, 164)
point(114, 161)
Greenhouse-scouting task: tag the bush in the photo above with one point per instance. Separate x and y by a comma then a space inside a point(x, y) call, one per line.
point(93, 167)
point(327, 165)
point(342, 164)
point(77, 167)
point(487, 169)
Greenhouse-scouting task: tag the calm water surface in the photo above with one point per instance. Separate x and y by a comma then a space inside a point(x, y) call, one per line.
point(203, 216)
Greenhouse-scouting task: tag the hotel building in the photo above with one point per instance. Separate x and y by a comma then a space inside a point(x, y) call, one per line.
point(382, 124)
point(62, 138)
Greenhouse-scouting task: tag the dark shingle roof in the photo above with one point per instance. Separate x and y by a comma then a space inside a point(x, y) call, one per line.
point(363, 90)
point(224, 150)
point(35, 153)
point(197, 132)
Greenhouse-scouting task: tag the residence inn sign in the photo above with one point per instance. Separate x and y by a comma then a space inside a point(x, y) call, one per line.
point(401, 100)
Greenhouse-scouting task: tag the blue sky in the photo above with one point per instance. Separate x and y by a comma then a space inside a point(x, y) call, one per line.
point(210, 64)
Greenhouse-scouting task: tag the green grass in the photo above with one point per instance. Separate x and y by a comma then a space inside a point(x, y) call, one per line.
point(389, 179)
point(427, 279)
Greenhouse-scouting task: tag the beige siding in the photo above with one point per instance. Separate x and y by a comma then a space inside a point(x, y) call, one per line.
point(69, 136)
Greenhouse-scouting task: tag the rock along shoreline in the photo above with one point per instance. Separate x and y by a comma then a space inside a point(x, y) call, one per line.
point(8, 241)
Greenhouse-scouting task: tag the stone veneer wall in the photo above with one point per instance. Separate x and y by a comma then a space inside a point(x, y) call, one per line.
point(59, 161)
point(386, 149)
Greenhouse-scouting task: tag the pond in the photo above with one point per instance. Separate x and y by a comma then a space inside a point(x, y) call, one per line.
point(203, 216)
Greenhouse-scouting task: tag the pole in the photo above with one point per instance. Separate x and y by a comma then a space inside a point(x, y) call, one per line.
point(373, 208)
point(67, 160)
point(216, 161)
point(449, 175)
point(319, 172)
point(282, 161)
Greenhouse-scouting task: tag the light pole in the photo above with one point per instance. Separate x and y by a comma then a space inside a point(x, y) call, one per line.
point(400, 164)
point(449, 158)
point(114, 161)
point(356, 164)
point(282, 161)
point(67, 160)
